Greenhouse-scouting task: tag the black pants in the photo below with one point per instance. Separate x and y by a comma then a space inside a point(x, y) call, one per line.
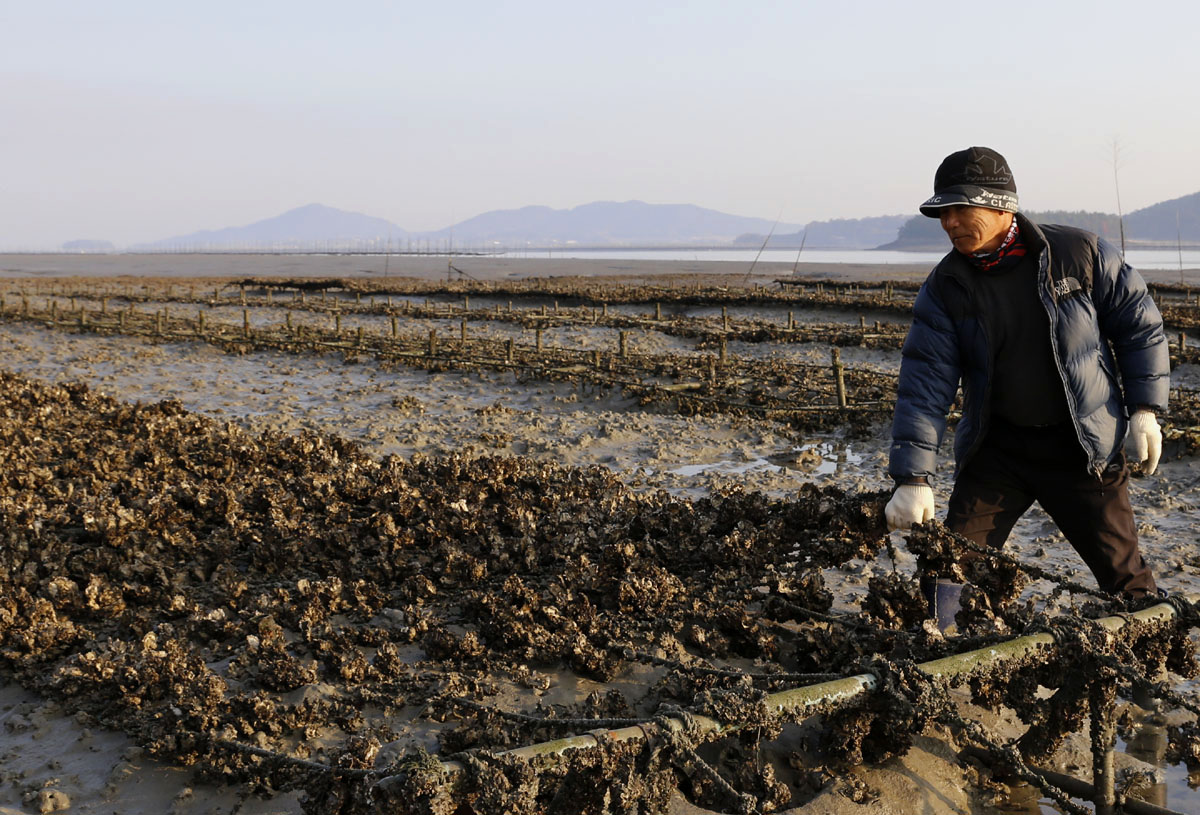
point(1016, 466)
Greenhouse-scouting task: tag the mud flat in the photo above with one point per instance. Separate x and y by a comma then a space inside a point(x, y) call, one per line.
point(430, 267)
point(530, 547)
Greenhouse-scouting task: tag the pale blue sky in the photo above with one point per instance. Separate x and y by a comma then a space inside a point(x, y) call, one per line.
point(133, 121)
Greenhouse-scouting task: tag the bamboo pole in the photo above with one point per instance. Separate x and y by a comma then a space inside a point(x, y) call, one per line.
point(839, 377)
point(799, 703)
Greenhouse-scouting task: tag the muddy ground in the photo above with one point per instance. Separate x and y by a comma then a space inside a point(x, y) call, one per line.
point(575, 457)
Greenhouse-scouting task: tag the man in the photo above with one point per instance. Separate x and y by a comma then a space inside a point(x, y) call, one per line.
point(1061, 353)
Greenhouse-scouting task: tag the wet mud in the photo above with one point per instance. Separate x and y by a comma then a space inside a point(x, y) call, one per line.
point(289, 610)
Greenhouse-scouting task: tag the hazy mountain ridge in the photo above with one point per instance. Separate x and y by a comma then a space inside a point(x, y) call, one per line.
point(601, 223)
point(314, 223)
point(606, 223)
point(316, 227)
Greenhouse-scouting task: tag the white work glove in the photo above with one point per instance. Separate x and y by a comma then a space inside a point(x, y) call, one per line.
point(911, 504)
point(1146, 439)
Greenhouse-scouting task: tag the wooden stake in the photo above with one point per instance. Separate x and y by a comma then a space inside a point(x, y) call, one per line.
point(839, 377)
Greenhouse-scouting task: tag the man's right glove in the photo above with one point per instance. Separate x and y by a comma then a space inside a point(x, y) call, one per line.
point(1146, 438)
point(911, 504)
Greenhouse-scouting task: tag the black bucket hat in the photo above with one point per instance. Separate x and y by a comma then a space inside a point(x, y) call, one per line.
point(976, 177)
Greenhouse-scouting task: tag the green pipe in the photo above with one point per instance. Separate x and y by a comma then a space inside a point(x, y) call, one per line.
point(836, 692)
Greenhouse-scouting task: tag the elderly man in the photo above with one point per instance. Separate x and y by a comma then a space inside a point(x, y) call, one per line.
point(1061, 354)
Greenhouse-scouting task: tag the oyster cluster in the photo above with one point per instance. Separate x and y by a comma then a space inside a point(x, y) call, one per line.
point(287, 610)
point(196, 586)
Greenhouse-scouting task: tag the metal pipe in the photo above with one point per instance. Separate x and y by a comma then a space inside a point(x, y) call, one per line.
point(836, 692)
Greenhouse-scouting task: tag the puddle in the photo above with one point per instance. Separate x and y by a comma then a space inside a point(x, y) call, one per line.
point(1149, 744)
point(819, 459)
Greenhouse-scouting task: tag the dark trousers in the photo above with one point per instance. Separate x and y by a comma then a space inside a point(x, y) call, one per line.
point(1016, 466)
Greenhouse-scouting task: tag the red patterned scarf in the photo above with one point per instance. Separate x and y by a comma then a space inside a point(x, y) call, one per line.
point(1010, 252)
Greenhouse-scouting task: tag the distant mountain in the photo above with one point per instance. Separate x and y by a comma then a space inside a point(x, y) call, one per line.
point(842, 233)
point(604, 223)
point(314, 227)
point(318, 228)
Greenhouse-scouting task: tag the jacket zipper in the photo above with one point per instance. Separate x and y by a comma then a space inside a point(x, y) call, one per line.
point(1043, 279)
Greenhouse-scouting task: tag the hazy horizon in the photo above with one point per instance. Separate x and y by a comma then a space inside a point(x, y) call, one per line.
point(135, 121)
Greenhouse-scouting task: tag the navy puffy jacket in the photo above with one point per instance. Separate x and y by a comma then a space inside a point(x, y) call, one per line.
point(1106, 334)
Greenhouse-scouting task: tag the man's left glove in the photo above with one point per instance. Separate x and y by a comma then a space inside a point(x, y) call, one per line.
point(1146, 438)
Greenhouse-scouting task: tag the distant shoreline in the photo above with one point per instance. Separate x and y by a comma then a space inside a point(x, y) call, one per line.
point(486, 267)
